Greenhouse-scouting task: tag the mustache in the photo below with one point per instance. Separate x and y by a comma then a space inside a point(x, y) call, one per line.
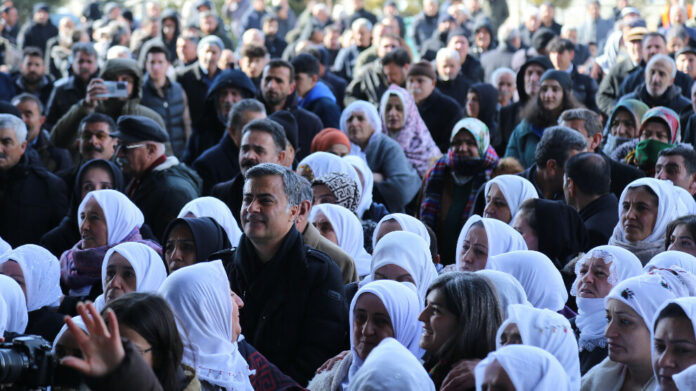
point(249, 163)
point(93, 148)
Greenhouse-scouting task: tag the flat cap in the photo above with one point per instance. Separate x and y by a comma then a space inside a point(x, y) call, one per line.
point(134, 128)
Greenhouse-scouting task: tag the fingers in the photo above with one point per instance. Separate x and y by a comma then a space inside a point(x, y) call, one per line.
point(76, 363)
point(86, 318)
point(113, 326)
point(99, 325)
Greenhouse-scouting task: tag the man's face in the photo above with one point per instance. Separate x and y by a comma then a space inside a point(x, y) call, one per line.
point(686, 62)
point(547, 13)
point(32, 69)
point(270, 27)
point(461, 44)
point(208, 24)
point(157, 65)
point(303, 83)
point(168, 28)
point(134, 158)
point(266, 216)
point(561, 60)
point(593, 10)
point(185, 50)
point(11, 16)
point(257, 147)
point(653, 46)
point(673, 168)
point(253, 66)
point(362, 36)
point(209, 57)
point(84, 65)
point(31, 115)
point(658, 77)
point(430, 7)
point(420, 87)
point(506, 86)
point(386, 45)
point(226, 98)
point(41, 17)
point(10, 150)
point(96, 143)
point(635, 50)
point(532, 23)
point(482, 38)
point(448, 68)
point(581, 126)
point(532, 74)
point(395, 74)
point(276, 85)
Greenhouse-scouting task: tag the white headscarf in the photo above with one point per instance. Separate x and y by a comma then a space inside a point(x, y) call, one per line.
point(349, 233)
point(591, 319)
point(218, 211)
point(41, 275)
point(407, 223)
point(322, 163)
point(360, 165)
point(408, 251)
point(507, 289)
point(687, 199)
point(372, 117)
point(4, 246)
point(686, 379)
point(147, 264)
point(402, 305)
point(120, 213)
point(16, 303)
point(515, 189)
point(528, 367)
point(547, 330)
point(670, 258)
point(502, 238)
point(390, 366)
point(4, 316)
point(200, 297)
point(536, 272)
point(688, 305)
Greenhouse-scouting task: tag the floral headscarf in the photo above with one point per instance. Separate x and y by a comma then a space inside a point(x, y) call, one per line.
point(478, 129)
point(668, 117)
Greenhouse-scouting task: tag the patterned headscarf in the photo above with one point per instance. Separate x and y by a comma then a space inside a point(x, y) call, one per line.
point(478, 129)
point(636, 108)
point(343, 188)
point(668, 117)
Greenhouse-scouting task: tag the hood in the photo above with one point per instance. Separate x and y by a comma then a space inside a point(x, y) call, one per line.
point(488, 103)
point(668, 117)
point(633, 106)
point(485, 24)
point(117, 66)
point(174, 15)
point(539, 60)
point(232, 78)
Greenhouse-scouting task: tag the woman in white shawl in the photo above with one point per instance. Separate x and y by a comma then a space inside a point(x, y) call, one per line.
point(130, 267)
point(37, 271)
point(319, 164)
point(541, 280)
point(380, 309)
point(673, 343)
point(646, 207)
point(399, 222)
point(483, 238)
point(596, 273)
point(504, 195)
point(347, 233)
point(507, 289)
point(200, 298)
point(16, 316)
point(218, 211)
point(544, 329)
point(667, 259)
point(527, 368)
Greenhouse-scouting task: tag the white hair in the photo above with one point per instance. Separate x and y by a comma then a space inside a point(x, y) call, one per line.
point(500, 72)
point(118, 51)
point(662, 58)
point(9, 121)
point(361, 22)
point(531, 11)
point(447, 53)
point(567, 28)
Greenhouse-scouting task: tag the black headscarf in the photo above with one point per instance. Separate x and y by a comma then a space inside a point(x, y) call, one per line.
point(208, 236)
point(560, 230)
point(488, 109)
point(110, 167)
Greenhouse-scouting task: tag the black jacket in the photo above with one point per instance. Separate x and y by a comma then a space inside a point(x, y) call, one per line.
point(637, 77)
point(294, 309)
point(52, 158)
point(194, 83)
point(440, 113)
point(621, 174)
point(66, 92)
point(218, 163)
point(43, 92)
point(368, 84)
point(584, 89)
point(170, 107)
point(230, 193)
point(32, 201)
point(472, 70)
point(35, 34)
point(308, 125)
point(600, 217)
point(672, 98)
point(530, 175)
point(45, 322)
point(337, 85)
point(456, 88)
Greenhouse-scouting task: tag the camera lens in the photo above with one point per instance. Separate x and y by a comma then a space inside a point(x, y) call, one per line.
point(11, 365)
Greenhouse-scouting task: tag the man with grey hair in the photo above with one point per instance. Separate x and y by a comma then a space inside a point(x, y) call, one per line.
point(293, 294)
point(450, 81)
point(32, 200)
point(501, 56)
point(197, 77)
point(659, 88)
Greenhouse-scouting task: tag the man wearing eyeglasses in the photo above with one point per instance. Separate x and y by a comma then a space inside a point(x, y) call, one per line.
point(161, 185)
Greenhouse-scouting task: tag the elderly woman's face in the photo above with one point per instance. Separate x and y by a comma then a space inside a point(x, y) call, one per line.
point(593, 279)
point(655, 130)
point(623, 124)
point(465, 144)
point(628, 338)
point(359, 128)
point(682, 240)
point(325, 228)
point(371, 324)
point(674, 349)
point(394, 114)
point(93, 229)
point(638, 214)
point(120, 277)
point(496, 205)
point(474, 253)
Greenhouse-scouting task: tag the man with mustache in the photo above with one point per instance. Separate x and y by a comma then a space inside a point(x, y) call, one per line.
point(32, 77)
point(660, 87)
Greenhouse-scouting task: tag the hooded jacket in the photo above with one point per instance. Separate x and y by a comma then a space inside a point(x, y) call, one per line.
point(671, 98)
point(170, 45)
point(322, 102)
point(488, 112)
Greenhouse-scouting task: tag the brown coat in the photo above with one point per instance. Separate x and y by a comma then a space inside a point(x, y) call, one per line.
point(313, 238)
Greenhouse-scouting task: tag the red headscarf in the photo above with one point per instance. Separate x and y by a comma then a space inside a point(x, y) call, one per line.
point(328, 137)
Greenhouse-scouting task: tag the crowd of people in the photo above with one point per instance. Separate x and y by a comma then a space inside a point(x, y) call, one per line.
point(238, 197)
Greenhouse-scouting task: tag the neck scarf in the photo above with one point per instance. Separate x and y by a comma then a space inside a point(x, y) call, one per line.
point(17, 318)
point(528, 367)
point(501, 238)
point(508, 290)
point(547, 330)
point(407, 223)
point(208, 236)
point(200, 297)
point(403, 307)
point(515, 189)
point(367, 184)
point(41, 271)
point(217, 210)
point(541, 280)
point(343, 187)
point(319, 164)
point(667, 259)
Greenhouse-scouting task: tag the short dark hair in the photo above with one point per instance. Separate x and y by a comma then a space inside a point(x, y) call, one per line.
point(269, 126)
point(398, 56)
point(671, 310)
point(560, 45)
point(278, 63)
point(689, 221)
point(269, 17)
point(306, 63)
point(25, 97)
point(556, 144)
point(98, 117)
point(32, 51)
point(590, 172)
point(685, 151)
point(291, 181)
point(83, 47)
point(254, 51)
point(653, 34)
point(155, 48)
point(234, 118)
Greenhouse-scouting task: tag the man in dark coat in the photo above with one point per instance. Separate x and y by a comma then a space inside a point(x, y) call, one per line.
point(170, 29)
point(359, 11)
point(425, 23)
point(450, 81)
point(678, 164)
point(220, 162)
point(161, 185)
point(374, 79)
point(315, 96)
point(32, 200)
point(586, 188)
point(293, 295)
point(39, 30)
point(471, 66)
point(561, 52)
point(32, 77)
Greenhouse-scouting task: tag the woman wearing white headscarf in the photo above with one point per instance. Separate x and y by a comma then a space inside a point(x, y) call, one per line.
point(541, 280)
point(4, 246)
point(595, 274)
point(391, 367)
point(148, 269)
point(475, 246)
point(399, 222)
point(507, 289)
point(15, 304)
point(348, 233)
point(527, 367)
point(504, 195)
point(107, 218)
point(673, 335)
point(402, 306)
point(200, 298)
point(646, 207)
point(544, 329)
point(667, 259)
point(319, 164)
point(396, 181)
point(38, 273)
point(367, 209)
point(218, 211)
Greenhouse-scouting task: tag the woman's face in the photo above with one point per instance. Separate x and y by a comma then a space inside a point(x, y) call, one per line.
point(495, 378)
point(511, 335)
point(551, 94)
point(95, 178)
point(139, 341)
point(623, 124)
point(496, 205)
point(387, 227)
point(638, 214)
point(394, 114)
point(359, 128)
point(339, 149)
point(439, 324)
point(323, 195)
point(465, 144)
point(371, 324)
point(325, 228)
point(522, 226)
point(655, 130)
point(474, 253)
point(120, 278)
point(395, 273)
point(674, 349)
point(628, 338)
point(472, 104)
point(593, 279)
point(180, 248)
point(14, 271)
point(682, 240)
point(93, 228)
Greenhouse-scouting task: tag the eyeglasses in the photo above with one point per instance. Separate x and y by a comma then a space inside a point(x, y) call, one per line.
point(127, 148)
point(101, 136)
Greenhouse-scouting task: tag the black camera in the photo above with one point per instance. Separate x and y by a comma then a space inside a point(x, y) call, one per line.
point(27, 362)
